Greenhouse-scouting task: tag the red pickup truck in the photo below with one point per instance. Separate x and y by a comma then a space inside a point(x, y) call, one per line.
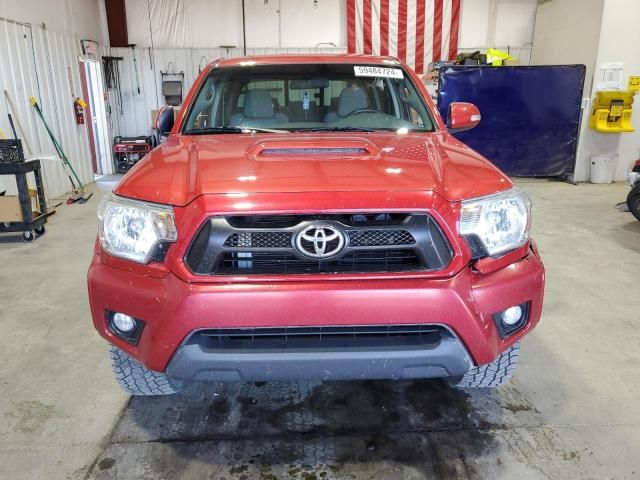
point(312, 217)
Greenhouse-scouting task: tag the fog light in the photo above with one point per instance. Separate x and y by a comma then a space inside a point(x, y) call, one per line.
point(512, 315)
point(123, 322)
point(512, 319)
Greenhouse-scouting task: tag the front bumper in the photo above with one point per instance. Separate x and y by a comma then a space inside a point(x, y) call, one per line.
point(173, 309)
point(412, 353)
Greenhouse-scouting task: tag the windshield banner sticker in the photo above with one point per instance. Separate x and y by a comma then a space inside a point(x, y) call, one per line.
point(368, 71)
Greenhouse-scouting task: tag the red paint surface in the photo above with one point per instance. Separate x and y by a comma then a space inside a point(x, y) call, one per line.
point(463, 116)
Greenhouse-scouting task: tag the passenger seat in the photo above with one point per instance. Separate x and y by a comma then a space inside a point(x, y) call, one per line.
point(258, 111)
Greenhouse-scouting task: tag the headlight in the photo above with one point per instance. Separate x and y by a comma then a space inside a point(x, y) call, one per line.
point(132, 229)
point(498, 222)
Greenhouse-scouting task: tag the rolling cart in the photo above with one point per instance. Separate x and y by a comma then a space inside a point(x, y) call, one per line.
point(32, 222)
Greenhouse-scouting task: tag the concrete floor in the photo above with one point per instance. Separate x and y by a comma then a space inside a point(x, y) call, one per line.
point(570, 413)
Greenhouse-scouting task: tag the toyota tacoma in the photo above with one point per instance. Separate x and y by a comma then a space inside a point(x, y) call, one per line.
point(313, 217)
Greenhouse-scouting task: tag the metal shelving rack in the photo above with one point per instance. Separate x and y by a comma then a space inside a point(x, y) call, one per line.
point(32, 222)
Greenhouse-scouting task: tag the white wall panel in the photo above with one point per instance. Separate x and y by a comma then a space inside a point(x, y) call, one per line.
point(30, 56)
point(82, 18)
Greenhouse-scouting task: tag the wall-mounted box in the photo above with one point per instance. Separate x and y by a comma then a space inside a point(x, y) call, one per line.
point(611, 112)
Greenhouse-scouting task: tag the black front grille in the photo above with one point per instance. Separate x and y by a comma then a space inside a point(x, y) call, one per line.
point(380, 242)
point(300, 338)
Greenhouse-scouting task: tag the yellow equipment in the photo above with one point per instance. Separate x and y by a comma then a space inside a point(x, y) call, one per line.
point(611, 112)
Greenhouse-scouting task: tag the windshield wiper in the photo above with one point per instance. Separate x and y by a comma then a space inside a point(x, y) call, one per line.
point(337, 129)
point(214, 130)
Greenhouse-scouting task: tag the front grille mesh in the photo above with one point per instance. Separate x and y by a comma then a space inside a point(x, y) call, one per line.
point(358, 238)
point(259, 240)
point(376, 238)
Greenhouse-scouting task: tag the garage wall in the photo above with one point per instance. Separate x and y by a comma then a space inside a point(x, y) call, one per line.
point(605, 31)
point(80, 18)
point(619, 40)
point(497, 23)
point(210, 23)
point(197, 23)
point(579, 35)
point(44, 63)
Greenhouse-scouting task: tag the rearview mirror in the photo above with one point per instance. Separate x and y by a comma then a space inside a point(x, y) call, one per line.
point(462, 116)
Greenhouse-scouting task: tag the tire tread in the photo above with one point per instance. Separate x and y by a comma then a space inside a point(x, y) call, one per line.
point(136, 379)
point(492, 374)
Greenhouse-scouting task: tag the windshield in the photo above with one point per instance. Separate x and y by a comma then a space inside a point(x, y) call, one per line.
point(307, 97)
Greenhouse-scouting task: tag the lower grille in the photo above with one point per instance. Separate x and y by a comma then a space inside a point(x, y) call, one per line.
point(283, 262)
point(300, 338)
point(278, 245)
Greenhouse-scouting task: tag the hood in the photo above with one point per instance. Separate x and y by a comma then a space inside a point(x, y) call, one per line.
point(185, 167)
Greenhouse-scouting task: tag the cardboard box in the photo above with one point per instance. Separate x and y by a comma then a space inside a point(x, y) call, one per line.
point(511, 63)
point(10, 210)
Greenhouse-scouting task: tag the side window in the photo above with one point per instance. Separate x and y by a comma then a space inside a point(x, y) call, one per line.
point(415, 117)
point(415, 108)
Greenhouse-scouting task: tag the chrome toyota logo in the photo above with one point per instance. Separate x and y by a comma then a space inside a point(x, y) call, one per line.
point(320, 241)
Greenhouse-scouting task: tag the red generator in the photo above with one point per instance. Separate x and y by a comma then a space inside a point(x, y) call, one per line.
point(127, 151)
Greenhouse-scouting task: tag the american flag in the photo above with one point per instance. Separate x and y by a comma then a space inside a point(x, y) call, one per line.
point(416, 31)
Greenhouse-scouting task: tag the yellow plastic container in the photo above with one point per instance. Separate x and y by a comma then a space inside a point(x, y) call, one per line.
point(611, 112)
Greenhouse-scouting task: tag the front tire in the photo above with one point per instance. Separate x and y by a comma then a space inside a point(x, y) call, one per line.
point(492, 374)
point(633, 202)
point(136, 379)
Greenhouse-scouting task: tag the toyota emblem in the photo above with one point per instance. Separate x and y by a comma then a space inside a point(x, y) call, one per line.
point(320, 241)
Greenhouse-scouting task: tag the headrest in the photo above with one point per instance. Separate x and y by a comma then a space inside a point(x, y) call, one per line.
point(258, 104)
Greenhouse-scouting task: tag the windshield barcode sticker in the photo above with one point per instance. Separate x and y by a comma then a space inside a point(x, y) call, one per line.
point(367, 71)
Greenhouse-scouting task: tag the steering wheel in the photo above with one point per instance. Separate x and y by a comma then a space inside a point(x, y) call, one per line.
point(358, 111)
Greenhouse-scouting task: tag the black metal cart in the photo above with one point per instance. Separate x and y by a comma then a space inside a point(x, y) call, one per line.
point(32, 222)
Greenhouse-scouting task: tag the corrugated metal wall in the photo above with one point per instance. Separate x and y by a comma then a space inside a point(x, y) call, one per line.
point(134, 118)
point(44, 64)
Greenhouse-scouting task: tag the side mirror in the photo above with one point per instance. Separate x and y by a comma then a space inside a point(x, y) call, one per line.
point(164, 121)
point(462, 116)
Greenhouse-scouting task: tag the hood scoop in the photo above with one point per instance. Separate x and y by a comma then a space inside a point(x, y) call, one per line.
point(315, 151)
point(313, 148)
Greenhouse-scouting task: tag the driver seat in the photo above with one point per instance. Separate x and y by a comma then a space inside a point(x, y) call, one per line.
point(351, 98)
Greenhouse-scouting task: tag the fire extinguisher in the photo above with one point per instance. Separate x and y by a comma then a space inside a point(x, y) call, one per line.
point(78, 108)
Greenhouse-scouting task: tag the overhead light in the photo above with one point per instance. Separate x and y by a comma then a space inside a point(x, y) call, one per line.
point(393, 171)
